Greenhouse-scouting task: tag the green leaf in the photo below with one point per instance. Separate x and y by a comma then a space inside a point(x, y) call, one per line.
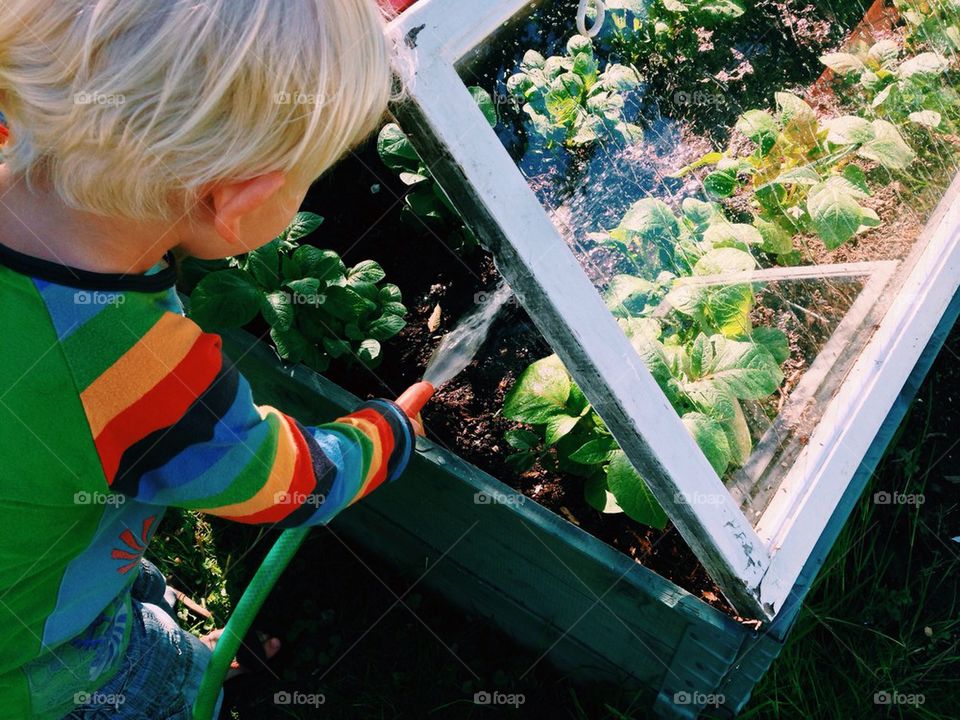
point(856, 177)
point(756, 124)
point(775, 341)
point(335, 347)
point(594, 452)
point(628, 295)
point(540, 392)
point(264, 264)
point(842, 63)
point(711, 438)
point(776, 239)
point(746, 369)
point(558, 426)
point(849, 130)
point(521, 439)
point(485, 103)
point(345, 304)
point(277, 310)
point(598, 497)
point(396, 151)
point(367, 271)
point(720, 183)
point(224, 299)
point(386, 327)
point(324, 265)
point(738, 437)
point(369, 352)
point(303, 224)
point(888, 147)
point(725, 260)
point(726, 234)
point(632, 494)
point(835, 214)
point(291, 344)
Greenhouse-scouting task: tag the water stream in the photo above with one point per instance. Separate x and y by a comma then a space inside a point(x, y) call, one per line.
point(457, 348)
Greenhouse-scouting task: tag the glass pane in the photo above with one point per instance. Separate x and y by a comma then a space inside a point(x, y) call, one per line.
point(745, 183)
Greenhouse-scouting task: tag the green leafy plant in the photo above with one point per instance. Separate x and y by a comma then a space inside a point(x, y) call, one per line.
point(639, 30)
point(901, 89)
point(569, 101)
point(318, 309)
point(800, 175)
point(705, 380)
point(426, 201)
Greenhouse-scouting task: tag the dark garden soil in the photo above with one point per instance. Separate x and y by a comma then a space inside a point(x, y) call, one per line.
point(465, 415)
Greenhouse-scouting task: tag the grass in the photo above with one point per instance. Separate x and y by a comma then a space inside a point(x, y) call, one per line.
point(884, 616)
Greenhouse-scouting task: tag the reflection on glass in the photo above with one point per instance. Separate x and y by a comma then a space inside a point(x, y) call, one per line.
point(733, 175)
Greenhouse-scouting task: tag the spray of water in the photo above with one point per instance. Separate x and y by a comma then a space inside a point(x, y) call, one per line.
point(458, 346)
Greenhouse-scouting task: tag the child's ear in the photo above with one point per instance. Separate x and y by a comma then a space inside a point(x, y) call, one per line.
point(233, 201)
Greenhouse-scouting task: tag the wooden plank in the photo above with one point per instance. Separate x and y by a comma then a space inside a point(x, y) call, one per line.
point(464, 154)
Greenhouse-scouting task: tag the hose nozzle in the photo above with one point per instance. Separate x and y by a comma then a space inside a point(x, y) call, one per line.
point(415, 397)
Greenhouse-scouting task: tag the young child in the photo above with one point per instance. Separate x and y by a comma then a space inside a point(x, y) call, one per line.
point(139, 129)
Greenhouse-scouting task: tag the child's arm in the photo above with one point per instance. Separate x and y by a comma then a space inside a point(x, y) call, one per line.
point(197, 440)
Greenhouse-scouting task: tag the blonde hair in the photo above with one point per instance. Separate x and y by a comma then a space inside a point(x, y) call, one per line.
point(129, 108)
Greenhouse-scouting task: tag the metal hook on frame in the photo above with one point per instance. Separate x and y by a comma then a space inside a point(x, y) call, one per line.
point(582, 17)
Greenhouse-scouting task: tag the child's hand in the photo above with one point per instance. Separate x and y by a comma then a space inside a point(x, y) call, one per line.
point(418, 425)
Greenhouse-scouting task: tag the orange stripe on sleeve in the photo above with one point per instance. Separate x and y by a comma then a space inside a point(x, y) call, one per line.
point(138, 370)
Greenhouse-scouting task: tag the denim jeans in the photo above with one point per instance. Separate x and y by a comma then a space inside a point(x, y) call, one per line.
point(163, 667)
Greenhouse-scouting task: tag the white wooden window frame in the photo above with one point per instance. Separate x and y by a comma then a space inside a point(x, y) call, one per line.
point(755, 563)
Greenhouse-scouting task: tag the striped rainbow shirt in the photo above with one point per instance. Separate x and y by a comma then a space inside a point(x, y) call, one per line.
point(113, 406)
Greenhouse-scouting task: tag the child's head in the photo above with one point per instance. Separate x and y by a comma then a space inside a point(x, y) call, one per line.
point(141, 110)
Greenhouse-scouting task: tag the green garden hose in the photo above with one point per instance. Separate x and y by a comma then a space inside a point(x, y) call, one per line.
point(276, 561)
point(242, 618)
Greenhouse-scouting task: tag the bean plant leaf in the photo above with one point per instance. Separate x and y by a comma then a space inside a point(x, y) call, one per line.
point(386, 327)
point(485, 103)
point(849, 130)
point(732, 235)
point(277, 310)
point(835, 214)
point(599, 497)
point(540, 392)
point(595, 452)
point(745, 368)
point(711, 438)
point(774, 340)
point(632, 494)
point(888, 147)
point(396, 150)
point(723, 261)
point(225, 299)
point(843, 63)
point(304, 223)
point(367, 271)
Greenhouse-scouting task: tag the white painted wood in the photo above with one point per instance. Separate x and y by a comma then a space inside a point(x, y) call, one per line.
point(801, 509)
point(449, 29)
point(545, 275)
